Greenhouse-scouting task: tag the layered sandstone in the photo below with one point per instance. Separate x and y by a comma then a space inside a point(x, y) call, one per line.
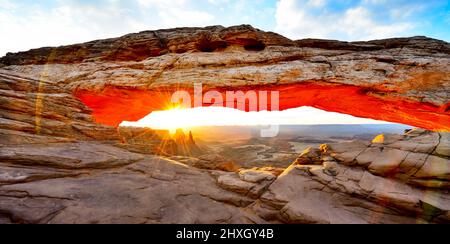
point(403, 80)
point(35, 110)
point(395, 181)
point(93, 182)
point(62, 162)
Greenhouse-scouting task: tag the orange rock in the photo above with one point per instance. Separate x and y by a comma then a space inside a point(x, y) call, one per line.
point(114, 105)
point(379, 139)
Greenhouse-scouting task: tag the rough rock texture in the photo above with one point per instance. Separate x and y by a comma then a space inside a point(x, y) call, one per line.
point(402, 80)
point(39, 111)
point(97, 182)
point(416, 157)
point(152, 190)
point(59, 165)
point(346, 188)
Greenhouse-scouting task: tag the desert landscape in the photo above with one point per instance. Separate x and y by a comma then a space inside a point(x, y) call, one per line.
point(64, 158)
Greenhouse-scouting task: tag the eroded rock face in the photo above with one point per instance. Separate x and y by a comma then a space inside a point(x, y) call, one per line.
point(34, 110)
point(58, 164)
point(413, 157)
point(348, 189)
point(126, 78)
point(98, 182)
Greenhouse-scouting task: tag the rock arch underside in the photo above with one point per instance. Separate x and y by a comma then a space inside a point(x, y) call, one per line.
point(60, 108)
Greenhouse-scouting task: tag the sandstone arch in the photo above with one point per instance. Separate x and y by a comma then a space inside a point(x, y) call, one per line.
point(54, 148)
point(404, 80)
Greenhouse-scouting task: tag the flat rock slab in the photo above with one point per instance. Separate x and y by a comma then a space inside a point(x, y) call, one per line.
point(79, 155)
point(127, 195)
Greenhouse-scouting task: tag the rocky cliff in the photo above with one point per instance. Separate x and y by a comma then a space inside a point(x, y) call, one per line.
point(62, 161)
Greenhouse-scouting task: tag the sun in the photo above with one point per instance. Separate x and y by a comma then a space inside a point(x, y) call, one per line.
point(171, 119)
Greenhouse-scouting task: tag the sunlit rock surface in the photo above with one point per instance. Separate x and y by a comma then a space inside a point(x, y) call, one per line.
point(404, 80)
point(34, 110)
point(61, 161)
point(93, 182)
point(393, 186)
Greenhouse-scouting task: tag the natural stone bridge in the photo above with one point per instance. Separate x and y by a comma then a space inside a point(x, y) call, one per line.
point(403, 80)
point(62, 162)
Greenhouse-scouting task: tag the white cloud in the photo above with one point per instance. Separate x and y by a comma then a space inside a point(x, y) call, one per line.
point(316, 3)
point(406, 11)
point(33, 26)
point(7, 4)
point(297, 19)
point(176, 13)
point(375, 1)
point(161, 3)
point(61, 22)
point(25, 26)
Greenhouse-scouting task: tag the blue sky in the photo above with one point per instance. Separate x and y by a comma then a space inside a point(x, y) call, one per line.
point(26, 24)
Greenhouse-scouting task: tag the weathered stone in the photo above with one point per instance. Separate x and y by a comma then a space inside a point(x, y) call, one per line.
point(37, 110)
point(405, 145)
point(415, 132)
point(60, 160)
point(435, 167)
point(396, 194)
point(368, 155)
point(252, 187)
point(14, 174)
point(256, 176)
point(412, 163)
point(443, 149)
point(384, 76)
point(331, 167)
point(305, 201)
point(127, 196)
point(432, 183)
point(348, 146)
point(387, 161)
point(347, 152)
point(309, 156)
point(136, 189)
point(78, 155)
point(232, 182)
point(368, 182)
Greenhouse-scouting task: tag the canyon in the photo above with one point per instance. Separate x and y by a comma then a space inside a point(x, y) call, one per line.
point(63, 158)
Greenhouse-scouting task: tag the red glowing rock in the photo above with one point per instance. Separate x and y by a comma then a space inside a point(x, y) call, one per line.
point(403, 80)
point(114, 105)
